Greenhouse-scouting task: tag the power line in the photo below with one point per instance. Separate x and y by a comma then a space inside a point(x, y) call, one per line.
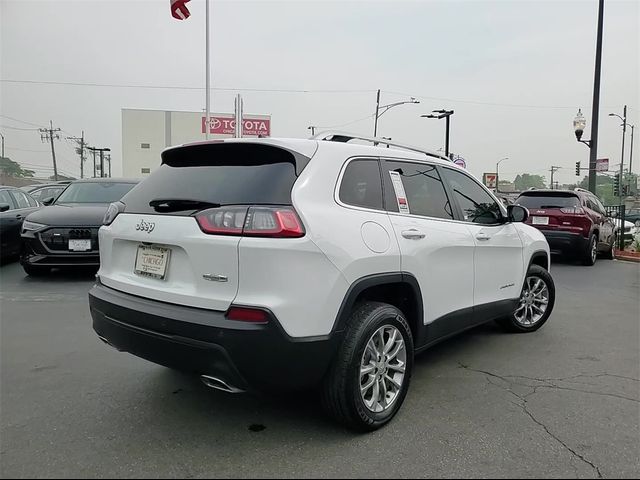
point(27, 150)
point(19, 128)
point(20, 121)
point(185, 87)
point(490, 104)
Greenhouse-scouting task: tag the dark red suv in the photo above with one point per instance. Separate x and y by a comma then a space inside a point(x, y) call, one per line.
point(575, 223)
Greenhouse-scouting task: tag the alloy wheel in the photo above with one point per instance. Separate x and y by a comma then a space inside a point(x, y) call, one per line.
point(533, 302)
point(382, 369)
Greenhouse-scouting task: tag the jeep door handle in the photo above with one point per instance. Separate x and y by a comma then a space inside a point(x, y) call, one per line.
point(413, 234)
point(483, 237)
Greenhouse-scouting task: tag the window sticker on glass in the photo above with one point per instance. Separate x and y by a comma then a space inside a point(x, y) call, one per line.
point(401, 196)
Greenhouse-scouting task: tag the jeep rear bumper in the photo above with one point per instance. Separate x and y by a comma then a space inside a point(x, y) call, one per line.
point(243, 355)
point(566, 242)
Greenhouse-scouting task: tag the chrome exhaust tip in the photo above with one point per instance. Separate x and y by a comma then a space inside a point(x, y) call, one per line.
point(107, 342)
point(218, 384)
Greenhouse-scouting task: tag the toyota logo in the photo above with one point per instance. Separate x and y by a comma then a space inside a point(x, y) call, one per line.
point(145, 226)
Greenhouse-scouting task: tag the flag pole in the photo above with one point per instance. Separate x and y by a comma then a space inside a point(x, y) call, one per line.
point(208, 75)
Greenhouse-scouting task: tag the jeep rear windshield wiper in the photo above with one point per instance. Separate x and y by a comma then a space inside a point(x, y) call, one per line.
point(179, 204)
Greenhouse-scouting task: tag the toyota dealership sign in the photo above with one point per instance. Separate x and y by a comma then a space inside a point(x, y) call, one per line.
point(226, 125)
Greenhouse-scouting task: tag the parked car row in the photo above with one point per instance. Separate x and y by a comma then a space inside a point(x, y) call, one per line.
point(574, 222)
point(15, 205)
point(61, 229)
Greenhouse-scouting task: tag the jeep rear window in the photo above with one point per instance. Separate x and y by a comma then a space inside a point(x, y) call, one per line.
point(548, 200)
point(225, 174)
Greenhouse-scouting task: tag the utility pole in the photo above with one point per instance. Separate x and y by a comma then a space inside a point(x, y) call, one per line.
point(51, 134)
point(101, 152)
point(108, 157)
point(2, 136)
point(554, 169)
point(80, 151)
point(313, 129)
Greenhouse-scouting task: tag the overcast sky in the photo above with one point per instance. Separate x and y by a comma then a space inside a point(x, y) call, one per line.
point(515, 72)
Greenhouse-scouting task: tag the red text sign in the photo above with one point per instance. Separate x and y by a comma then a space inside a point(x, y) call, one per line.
point(226, 125)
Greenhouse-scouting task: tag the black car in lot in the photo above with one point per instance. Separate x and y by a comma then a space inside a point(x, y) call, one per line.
point(65, 233)
point(15, 205)
point(45, 191)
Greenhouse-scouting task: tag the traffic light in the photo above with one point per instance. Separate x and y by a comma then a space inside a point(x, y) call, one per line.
point(577, 169)
point(616, 186)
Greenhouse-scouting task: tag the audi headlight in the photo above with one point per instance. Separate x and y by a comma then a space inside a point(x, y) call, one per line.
point(32, 226)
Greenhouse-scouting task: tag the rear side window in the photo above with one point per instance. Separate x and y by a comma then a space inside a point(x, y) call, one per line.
point(6, 198)
point(548, 200)
point(223, 174)
point(362, 185)
point(21, 199)
point(423, 187)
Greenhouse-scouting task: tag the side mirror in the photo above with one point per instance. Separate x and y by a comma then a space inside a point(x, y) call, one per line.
point(48, 200)
point(517, 213)
point(4, 207)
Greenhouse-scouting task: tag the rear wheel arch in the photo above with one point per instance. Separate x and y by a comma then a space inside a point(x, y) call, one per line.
point(399, 289)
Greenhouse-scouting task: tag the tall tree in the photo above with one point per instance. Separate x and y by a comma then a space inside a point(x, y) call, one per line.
point(13, 169)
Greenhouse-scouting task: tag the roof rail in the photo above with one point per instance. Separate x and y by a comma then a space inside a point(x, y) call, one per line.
point(336, 136)
point(578, 189)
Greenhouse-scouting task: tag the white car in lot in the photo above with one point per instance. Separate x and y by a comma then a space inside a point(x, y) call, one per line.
point(280, 264)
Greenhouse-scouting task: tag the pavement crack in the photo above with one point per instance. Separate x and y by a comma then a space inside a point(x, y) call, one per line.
point(522, 404)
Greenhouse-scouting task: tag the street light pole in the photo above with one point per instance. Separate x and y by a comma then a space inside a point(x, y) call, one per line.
point(624, 132)
point(442, 113)
point(630, 153)
point(595, 112)
point(498, 176)
point(375, 123)
point(381, 110)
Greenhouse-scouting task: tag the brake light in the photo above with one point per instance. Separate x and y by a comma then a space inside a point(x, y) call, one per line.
point(274, 222)
point(573, 210)
point(249, 315)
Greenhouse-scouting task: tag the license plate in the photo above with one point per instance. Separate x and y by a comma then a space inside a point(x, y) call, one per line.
point(541, 220)
point(79, 245)
point(152, 261)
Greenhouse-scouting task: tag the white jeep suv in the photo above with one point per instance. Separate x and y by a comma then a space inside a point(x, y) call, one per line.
point(278, 264)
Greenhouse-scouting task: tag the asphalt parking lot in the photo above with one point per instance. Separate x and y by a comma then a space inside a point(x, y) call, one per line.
point(562, 402)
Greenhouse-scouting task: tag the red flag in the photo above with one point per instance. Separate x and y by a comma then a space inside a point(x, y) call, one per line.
point(179, 9)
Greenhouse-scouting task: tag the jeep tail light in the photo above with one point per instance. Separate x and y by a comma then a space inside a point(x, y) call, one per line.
point(573, 210)
point(112, 212)
point(249, 315)
point(273, 222)
point(222, 221)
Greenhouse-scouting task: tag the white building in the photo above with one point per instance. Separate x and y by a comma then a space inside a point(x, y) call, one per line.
point(146, 133)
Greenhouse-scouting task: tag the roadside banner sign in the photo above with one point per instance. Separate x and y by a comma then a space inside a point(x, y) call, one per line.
point(602, 165)
point(461, 162)
point(489, 179)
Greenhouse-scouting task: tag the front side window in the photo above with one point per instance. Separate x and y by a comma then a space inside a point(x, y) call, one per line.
point(476, 204)
point(423, 187)
point(361, 184)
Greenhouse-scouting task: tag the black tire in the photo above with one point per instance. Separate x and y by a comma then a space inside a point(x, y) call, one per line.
point(511, 323)
point(36, 271)
point(341, 395)
point(588, 258)
point(611, 253)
